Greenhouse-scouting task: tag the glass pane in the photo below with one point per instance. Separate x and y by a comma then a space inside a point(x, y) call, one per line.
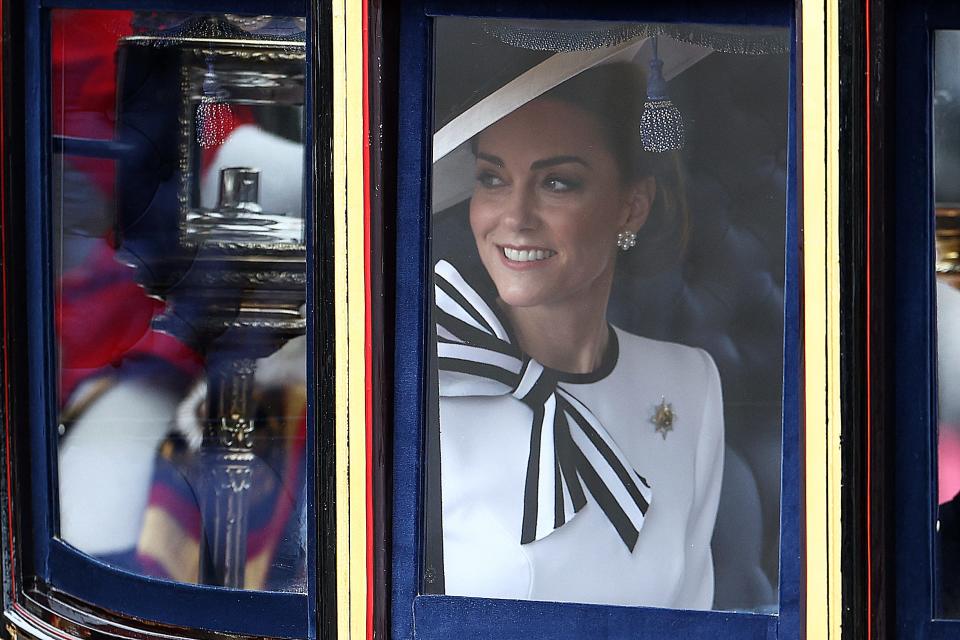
point(176, 176)
point(946, 117)
point(608, 222)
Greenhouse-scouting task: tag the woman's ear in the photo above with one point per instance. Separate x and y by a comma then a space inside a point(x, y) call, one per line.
point(639, 203)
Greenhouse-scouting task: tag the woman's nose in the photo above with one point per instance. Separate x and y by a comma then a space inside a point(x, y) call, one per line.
point(521, 210)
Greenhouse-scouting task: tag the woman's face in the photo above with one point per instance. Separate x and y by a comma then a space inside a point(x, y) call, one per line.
point(548, 203)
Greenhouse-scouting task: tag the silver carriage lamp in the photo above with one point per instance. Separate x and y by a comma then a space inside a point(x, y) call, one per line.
point(210, 213)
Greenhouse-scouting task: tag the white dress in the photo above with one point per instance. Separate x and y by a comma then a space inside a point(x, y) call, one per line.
point(484, 448)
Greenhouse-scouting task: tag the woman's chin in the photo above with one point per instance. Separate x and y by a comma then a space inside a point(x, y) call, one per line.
point(520, 298)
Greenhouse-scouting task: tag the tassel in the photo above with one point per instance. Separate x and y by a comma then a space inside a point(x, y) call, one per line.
point(214, 115)
point(661, 125)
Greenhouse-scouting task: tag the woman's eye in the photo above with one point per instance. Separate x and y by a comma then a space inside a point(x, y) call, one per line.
point(557, 184)
point(490, 180)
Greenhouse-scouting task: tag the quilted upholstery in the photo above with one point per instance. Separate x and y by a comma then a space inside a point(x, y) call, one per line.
point(727, 296)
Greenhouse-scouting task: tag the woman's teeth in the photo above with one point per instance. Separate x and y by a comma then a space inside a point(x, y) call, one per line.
point(527, 255)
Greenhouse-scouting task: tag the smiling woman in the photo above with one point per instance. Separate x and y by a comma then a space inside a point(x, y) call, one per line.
point(554, 484)
point(550, 202)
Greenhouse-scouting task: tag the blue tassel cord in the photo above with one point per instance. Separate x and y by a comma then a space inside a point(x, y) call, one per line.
point(661, 125)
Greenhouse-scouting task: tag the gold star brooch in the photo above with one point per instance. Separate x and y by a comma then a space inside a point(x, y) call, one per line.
point(663, 417)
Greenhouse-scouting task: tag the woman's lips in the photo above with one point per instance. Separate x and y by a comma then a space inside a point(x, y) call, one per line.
point(524, 256)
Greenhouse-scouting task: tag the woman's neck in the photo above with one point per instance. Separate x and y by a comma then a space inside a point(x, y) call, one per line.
point(570, 336)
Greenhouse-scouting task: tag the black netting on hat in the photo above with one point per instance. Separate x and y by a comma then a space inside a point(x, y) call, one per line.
point(555, 35)
point(170, 29)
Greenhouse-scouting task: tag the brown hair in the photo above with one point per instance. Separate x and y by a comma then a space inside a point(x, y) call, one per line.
point(614, 95)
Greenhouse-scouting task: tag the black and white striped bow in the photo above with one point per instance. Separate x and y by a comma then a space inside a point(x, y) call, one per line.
point(569, 449)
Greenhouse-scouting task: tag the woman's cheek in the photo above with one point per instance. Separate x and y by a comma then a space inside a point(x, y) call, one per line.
point(477, 219)
point(483, 208)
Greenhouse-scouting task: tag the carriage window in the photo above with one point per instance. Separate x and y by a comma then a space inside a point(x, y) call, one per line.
point(608, 239)
point(177, 202)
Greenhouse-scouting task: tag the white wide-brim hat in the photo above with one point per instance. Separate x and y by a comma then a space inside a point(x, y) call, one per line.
point(587, 44)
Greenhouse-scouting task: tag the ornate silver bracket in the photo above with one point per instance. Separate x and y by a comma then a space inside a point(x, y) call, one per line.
point(227, 458)
point(232, 275)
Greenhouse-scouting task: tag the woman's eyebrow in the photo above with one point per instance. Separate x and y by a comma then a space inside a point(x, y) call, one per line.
point(489, 158)
point(555, 160)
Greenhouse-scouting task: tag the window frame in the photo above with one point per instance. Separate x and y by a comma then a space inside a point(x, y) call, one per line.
point(911, 338)
point(439, 616)
point(47, 579)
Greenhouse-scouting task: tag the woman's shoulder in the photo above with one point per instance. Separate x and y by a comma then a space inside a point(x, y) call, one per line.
point(666, 357)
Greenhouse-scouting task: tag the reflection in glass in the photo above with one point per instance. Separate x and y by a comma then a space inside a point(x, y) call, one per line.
point(238, 101)
point(946, 153)
point(575, 270)
point(177, 203)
